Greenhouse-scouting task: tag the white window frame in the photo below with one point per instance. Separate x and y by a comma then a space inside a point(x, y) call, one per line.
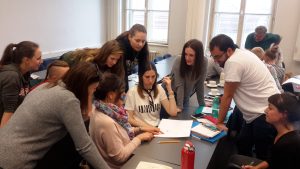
point(146, 10)
point(241, 20)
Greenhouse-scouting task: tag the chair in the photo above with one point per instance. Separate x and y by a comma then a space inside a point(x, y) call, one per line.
point(167, 56)
point(157, 59)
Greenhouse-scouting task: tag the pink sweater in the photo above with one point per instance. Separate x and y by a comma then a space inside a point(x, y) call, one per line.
point(111, 139)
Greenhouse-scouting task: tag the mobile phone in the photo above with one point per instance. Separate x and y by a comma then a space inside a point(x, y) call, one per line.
point(198, 115)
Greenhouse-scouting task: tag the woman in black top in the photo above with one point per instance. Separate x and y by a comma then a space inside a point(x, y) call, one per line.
point(283, 112)
point(15, 66)
point(135, 49)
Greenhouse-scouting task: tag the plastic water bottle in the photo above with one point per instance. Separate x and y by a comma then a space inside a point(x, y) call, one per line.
point(188, 156)
point(215, 107)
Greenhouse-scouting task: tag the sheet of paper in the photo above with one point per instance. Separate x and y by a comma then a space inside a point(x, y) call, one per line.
point(147, 165)
point(175, 128)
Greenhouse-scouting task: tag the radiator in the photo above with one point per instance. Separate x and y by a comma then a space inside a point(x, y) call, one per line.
point(152, 55)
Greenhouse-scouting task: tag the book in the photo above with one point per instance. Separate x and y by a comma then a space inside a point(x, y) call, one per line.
point(205, 131)
point(210, 140)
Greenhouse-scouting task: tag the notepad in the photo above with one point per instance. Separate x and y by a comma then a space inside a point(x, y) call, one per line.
point(148, 165)
point(204, 131)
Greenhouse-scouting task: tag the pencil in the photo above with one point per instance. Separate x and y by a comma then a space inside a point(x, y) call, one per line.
point(168, 141)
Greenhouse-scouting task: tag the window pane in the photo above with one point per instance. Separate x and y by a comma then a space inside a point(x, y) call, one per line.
point(157, 27)
point(158, 4)
point(226, 24)
point(251, 22)
point(228, 5)
point(134, 17)
point(259, 6)
point(136, 4)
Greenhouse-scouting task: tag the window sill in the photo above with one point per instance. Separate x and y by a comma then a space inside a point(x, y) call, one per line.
point(157, 44)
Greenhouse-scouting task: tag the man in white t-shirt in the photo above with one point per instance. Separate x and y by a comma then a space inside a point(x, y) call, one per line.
point(249, 83)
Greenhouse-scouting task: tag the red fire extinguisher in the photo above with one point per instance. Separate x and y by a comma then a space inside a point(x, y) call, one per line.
point(188, 155)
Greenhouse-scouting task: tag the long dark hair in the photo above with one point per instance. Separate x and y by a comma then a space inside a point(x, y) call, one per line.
point(79, 78)
point(110, 83)
point(14, 53)
point(288, 104)
point(140, 88)
point(197, 46)
point(110, 47)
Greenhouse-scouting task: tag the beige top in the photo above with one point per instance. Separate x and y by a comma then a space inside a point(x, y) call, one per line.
point(111, 139)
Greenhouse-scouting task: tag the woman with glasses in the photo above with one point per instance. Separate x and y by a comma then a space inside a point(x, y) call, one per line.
point(189, 74)
point(110, 130)
point(144, 101)
point(46, 115)
point(283, 112)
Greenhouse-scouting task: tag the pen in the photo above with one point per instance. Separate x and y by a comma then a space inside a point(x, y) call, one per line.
point(168, 141)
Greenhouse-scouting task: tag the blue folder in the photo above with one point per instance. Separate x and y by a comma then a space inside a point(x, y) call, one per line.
point(211, 140)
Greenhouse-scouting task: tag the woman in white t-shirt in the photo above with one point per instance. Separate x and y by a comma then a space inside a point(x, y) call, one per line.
point(143, 102)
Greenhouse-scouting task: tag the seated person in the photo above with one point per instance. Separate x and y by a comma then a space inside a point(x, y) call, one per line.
point(144, 101)
point(259, 52)
point(270, 61)
point(275, 48)
point(283, 112)
point(213, 69)
point(109, 127)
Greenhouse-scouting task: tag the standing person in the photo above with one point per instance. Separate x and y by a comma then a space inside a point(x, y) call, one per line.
point(109, 58)
point(135, 47)
point(144, 101)
point(260, 38)
point(189, 74)
point(110, 130)
point(46, 115)
point(15, 66)
point(249, 83)
point(283, 112)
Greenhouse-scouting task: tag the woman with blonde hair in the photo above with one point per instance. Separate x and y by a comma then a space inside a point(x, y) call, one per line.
point(109, 58)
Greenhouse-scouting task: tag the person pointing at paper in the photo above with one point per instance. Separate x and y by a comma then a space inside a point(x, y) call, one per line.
point(249, 83)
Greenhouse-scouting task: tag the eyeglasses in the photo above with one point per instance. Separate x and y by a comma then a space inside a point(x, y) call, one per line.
point(151, 102)
point(217, 56)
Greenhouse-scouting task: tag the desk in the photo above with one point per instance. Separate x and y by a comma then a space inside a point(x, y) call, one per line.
point(134, 161)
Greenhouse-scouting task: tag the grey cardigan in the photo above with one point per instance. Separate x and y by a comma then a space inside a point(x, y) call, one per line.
point(44, 117)
point(184, 87)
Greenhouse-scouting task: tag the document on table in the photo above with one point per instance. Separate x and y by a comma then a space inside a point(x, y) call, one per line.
point(147, 165)
point(175, 128)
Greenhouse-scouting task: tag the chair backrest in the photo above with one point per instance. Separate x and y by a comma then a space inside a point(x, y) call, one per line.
point(167, 56)
point(157, 59)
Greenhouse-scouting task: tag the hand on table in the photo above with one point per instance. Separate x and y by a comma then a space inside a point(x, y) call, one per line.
point(146, 136)
point(153, 130)
point(222, 127)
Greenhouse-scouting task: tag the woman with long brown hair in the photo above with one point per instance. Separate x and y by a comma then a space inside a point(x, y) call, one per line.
point(47, 115)
point(15, 66)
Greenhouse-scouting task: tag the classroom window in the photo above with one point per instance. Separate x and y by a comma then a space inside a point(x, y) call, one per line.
point(238, 18)
point(154, 14)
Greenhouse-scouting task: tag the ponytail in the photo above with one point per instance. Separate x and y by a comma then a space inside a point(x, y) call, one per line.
point(8, 54)
point(14, 53)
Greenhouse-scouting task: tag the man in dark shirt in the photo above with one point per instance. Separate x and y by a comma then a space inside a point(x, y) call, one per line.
point(260, 38)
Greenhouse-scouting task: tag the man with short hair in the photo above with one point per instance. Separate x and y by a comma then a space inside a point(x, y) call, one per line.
point(260, 38)
point(249, 83)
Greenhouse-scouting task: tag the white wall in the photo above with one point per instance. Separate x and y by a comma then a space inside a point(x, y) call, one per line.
point(287, 20)
point(56, 25)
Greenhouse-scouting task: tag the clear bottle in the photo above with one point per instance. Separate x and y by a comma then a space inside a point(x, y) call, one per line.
point(215, 107)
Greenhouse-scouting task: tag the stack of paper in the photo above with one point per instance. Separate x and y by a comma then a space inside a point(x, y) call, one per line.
point(175, 128)
point(204, 131)
point(147, 165)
